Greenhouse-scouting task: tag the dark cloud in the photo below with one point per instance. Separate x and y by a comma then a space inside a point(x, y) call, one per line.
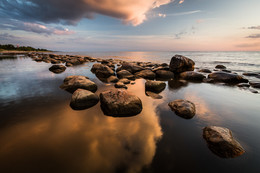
point(7, 37)
point(248, 45)
point(71, 11)
point(254, 36)
point(254, 27)
point(183, 33)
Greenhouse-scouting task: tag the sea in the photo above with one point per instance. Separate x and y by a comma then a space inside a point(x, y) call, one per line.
point(40, 132)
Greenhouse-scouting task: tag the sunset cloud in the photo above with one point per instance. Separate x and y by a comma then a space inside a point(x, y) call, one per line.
point(254, 36)
point(72, 11)
point(254, 27)
point(181, 1)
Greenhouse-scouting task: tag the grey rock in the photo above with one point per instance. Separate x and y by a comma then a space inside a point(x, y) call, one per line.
point(102, 71)
point(227, 77)
point(83, 99)
point(192, 76)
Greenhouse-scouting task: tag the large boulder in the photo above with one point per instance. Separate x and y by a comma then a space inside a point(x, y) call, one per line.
point(164, 74)
point(83, 99)
point(131, 67)
point(57, 68)
point(72, 83)
point(183, 108)
point(102, 71)
point(146, 74)
point(155, 86)
point(192, 76)
point(181, 63)
point(125, 74)
point(221, 76)
point(120, 103)
point(221, 142)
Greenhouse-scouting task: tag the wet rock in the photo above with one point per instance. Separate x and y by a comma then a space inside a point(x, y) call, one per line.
point(161, 68)
point(155, 86)
point(220, 67)
point(153, 95)
point(208, 80)
point(227, 77)
point(183, 108)
point(72, 83)
point(112, 79)
point(102, 71)
point(68, 64)
point(227, 71)
point(124, 81)
point(146, 74)
point(181, 63)
point(57, 68)
point(132, 82)
point(204, 70)
point(120, 85)
point(125, 74)
point(255, 84)
point(83, 99)
point(177, 84)
point(164, 74)
point(131, 67)
point(120, 103)
point(243, 85)
point(192, 76)
point(221, 142)
point(250, 74)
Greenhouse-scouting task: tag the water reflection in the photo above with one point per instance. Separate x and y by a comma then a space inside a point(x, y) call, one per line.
point(62, 140)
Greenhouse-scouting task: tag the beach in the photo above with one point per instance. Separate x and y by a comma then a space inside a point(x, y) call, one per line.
point(40, 132)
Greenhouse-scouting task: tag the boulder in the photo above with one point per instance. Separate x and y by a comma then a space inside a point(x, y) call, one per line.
point(146, 74)
point(227, 77)
point(120, 103)
point(192, 76)
point(155, 86)
point(83, 99)
point(221, 142)
point(181, 63)
point(183, 108)
point(153, 95)
point(120, 85)
point(204, 70)
point(124, 81)
point(57, 68)
point(255, 84)
point(125, 74)
point(102, 71)
point(112, 79)
point(72, 83)
point(164, 74)
point(131, 67)
point(220, 67)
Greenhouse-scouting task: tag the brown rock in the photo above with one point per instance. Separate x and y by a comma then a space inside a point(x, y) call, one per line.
point(83, 99)
point(183, 108)
point(181, 63)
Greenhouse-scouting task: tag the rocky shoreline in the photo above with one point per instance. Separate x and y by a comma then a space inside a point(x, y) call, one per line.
point(118, 102)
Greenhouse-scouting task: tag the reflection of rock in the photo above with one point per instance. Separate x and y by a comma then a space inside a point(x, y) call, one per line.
point(192, 76)
point(221, 142)
point(83, 99)
point(181, 63)
point(57, 68)
point(120, 103)
point(153, 95)
point(177, 84)
point(155, 86)
point(183, 108)
point(227, 77)
point(146, 74)
point(72, 83)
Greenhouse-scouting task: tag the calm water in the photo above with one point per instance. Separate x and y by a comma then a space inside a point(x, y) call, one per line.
point(39, 132)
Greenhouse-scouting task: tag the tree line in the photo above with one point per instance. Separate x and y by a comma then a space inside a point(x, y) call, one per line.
point(21, 48)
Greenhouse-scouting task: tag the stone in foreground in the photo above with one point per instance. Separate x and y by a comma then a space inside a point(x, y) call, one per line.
point(155, 86)
point(153, 95)
point(221, 142)
point(183, 108)
point(119, 103)
point(57, 68)
point(227, 77)
point(72, 83)
point(83, 99)
point(181, 63)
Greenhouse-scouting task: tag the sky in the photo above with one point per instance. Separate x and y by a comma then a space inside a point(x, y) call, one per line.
point(131, 25)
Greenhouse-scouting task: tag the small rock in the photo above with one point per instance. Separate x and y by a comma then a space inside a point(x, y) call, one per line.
point(181, 63)
point(164, 74)
point(112, 79)
point(227, 77)
point(131, 67)
point(102, 71)
point(204, 70)
point(125, 74)
point(120, 85)
point(155, 86)
point(220, 67)
point(146, 74)
point(183, 108)
point(124, 81)
point(153, 95)
point(83, 99)
point(221, 142)
point(253, 91)
point(120, 103)
point(250, 74)
point(192, 76)
point(243, 85)
point(57, 68)
point(255, 84)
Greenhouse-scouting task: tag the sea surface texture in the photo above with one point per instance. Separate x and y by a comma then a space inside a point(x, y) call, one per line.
point(40, 132)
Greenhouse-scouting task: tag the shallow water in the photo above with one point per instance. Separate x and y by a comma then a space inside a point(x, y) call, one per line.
point(39, 132)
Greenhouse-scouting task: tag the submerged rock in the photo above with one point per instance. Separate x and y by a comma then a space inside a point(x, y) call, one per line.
point(146, 74)
point(57, 68)
point(155, 86)
point(192, 76)
point(120, 103)
point(153, 95)
point(72, 83)
point(181, 63)
point(221, 142)
point(227, 77)
point(183, 108)
point(83, 99)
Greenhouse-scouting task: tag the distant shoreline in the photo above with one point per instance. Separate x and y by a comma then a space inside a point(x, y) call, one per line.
point(20, 52)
